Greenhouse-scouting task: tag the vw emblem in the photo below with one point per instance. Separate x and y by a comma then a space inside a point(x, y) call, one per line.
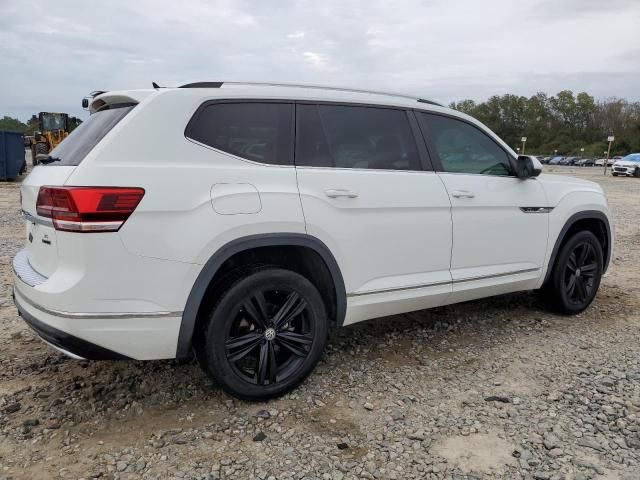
point(270, 334)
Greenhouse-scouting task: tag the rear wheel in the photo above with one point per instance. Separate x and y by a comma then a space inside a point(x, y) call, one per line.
point(636, 173)
point(576, 275)
point(265, 334)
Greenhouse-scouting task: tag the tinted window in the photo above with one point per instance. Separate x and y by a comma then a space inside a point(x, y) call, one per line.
point(355, 137)
point(464, 148)
point(81, 141)
point(261, 132)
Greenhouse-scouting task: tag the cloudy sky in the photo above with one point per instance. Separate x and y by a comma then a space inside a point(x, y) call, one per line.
point(441, 49)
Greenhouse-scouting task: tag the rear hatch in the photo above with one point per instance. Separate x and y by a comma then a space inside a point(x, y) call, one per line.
point(41, 243)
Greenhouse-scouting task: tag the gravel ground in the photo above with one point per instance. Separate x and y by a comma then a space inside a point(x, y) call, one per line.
point(496, 389)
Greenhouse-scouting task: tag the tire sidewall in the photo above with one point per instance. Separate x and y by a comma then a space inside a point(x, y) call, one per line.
point(559, 270)
point(222, 316)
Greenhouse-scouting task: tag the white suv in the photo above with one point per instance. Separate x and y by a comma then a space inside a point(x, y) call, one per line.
point(240, 220)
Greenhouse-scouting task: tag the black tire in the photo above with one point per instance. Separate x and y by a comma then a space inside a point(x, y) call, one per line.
point(636, 173)
point(576, 275)
point(614, 174)
point(269, 318)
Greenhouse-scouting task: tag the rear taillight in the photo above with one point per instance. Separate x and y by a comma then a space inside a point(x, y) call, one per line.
point(88, 209)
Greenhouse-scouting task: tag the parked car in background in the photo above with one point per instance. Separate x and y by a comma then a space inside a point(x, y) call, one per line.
point(585, 162)
point(613, 160)
point(627, 166)
point(569, 161)
point(555, 160)
point(600, 162)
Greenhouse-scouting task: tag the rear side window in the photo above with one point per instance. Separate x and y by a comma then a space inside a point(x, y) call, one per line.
point(261, 132)
point(81, 141)
point(463, 148)
point(355, 137)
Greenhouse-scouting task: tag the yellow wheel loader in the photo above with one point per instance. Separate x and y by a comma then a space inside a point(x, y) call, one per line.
point(53, 128)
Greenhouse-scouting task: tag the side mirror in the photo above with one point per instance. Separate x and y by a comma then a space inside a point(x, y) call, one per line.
point(528, 167)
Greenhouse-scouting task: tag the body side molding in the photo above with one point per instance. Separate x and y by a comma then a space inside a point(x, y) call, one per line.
point(210, 268)
point(587, 214)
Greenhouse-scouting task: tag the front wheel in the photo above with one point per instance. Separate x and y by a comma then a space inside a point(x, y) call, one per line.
point(265, 335)
point(636, 173)
point(576, 275)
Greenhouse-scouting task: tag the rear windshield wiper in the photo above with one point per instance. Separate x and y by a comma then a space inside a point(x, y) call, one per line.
point(46, 159)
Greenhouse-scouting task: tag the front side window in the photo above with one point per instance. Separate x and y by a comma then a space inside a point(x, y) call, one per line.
point(463, 148)
point(261, 132)
point(355, 137)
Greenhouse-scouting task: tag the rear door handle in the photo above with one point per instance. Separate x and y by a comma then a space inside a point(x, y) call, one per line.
point(462, 194)
point(336, 192)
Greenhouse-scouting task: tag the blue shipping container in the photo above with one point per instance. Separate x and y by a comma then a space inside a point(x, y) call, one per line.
point(12, 162)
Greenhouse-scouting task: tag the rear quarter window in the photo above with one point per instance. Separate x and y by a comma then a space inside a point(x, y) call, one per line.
point(73, 149)
point(257, 131)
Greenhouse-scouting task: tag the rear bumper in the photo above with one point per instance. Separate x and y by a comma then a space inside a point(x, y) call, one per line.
point(93, 312)
point(101, 336)
point(68, 344)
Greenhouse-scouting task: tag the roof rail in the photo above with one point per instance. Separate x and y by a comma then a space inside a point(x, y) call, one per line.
point(300, 85)
point(202, 85)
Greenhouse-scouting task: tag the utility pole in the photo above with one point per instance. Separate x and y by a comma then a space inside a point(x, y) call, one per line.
point(610, 139)
point(524, 140)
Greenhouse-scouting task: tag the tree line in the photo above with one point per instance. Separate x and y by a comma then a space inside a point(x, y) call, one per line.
point(10, 124)
point(564, 122)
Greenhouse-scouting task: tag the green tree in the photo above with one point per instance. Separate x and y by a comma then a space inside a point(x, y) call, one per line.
point(32, 125)
point(12, 124)
point(564, 122)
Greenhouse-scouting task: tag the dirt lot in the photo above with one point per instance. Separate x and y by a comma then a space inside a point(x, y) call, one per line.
point(497, 388)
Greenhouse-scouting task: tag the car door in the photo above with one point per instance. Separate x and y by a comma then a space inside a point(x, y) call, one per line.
point(500, 222)
point(366, 194)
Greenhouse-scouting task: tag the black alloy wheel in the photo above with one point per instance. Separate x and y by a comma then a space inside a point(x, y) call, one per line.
point(265, 334)
point(580, 273)
point(576, 274)
point(270, 336)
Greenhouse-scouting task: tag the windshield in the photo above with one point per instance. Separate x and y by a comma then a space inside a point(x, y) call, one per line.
point(634, 157)
point(81, 141)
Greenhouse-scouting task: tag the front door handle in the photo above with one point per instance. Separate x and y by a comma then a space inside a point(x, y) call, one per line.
point(462, 194)
point(336, 192)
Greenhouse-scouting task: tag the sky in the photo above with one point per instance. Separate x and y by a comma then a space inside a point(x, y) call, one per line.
point(445, 50)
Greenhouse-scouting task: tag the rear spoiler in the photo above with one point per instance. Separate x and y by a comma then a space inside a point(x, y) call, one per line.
point(87, 100)
point(100, 99)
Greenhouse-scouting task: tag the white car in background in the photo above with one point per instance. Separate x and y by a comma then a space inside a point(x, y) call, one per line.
point(627, 166)
point(263, 214)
